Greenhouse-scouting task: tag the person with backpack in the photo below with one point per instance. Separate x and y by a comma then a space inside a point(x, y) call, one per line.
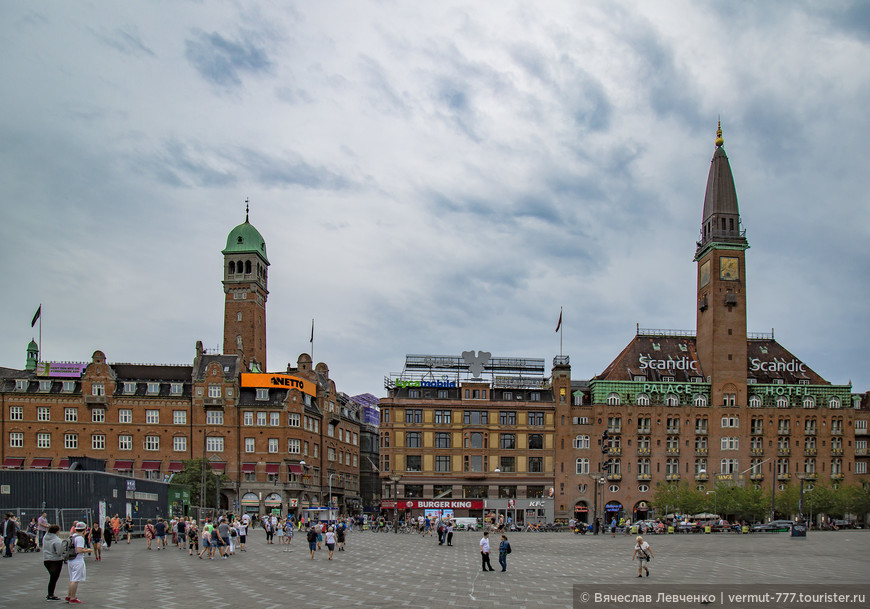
point(52, 558)
point(74, 551)
point(643, 553)
point(312, 541)
point(504, 548)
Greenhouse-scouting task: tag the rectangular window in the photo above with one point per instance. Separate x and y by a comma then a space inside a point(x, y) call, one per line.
point(536, 418)
point(535, 396)
point(250, 445)
point(860, 467)
point(43, 413)
point(262, 394)
point(507, 441)
point(508, 464)
point(536, 465)
point(71, 441)
point(476, 417)
point(385, 415)
point(414, 415)
point(442, 394)
point(214, 391)
point(45, 386)
point(330, 454)
point(247, 418)
point(273, 445)
point(16, 413)
point(316, 452)
point(179, 443)
point(125, 442)
point(330, 430)
point(16, 439)
point(355, 439)
point(125, 415)
point(414, 463)
point(152, 442)
point(98, 442)
point(70, 415)
point(153, 388)
point(43, 440)
point(413, 439)
point(293, 419)
point(730, 421)
point(129, 388)
point(98, 415)
point(305, 448)
point(152, 416)
point(507, 417)
point(214, 417)
point(179, 417)
point(175, 389)
point(730, 443)
point(98, 389)
point(214, 444)
point(294, 446)
point(442, 440)
point(261, 419)
point(68, 386)
point(442, 417)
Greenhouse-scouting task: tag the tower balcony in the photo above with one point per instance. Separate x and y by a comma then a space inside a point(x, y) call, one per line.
point(756, 476)
point(783, 452)
point(643, 476)
point(810, 452)
point(860, 452)
point(701, 452)
point(674, 451)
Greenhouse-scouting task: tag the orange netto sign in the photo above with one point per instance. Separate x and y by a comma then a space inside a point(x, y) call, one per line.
point(280, 381)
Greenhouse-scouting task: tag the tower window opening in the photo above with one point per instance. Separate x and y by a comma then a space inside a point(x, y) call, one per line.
point(731, 224)
point(232, 267)
point(247, 267)
point(723, 224)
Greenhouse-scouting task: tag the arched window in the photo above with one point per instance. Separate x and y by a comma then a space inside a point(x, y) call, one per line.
point(232, 267)
point(672, 400)
point(582, 466)
point(581, 441)
point(755, 401)
point(247, 267)
point(809, 402)
point(613, 399)
point(536, 441)
point(700, 400)
point(642, 399)
point(782, 402)
point(476, 440)
point(834, 402)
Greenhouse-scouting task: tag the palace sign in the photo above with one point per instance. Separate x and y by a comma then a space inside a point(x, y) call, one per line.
point(279, 381)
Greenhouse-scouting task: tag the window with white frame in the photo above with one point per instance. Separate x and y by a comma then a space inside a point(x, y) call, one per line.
point(152, 442)
point(98, 415)
point(582, 466)
point(98, 441)
point(125, 442)
point(642, 399)
point(153, 388)
point(262, 394)
point(179, 417)
point(247, 418)
point(729, 399)
point(21, 385)
point(860, 425)
point(809, 402)
point(125, 415)
point(16, 439)
point(179, 443)
point(355, 460)
point(68, 386)
point(152, 416)
point(294, 446)
point(71, 441)
point(730, 443)
point(275, 419)
point(330, 430)
point(261, 418)
point(214, 391)
point(834, 402)
point(214, 444)
point(176, 389)
point(754, 401)
point(729, 466)
point(44, 385)
point(293, 419)
point(613, 399)
point(273, 445)
point(130, 388)
point(16, 413)
point(70, 415)
point(860, 467)
point(782, 402)
point(355, 438)
point(730, 421)
point(672, 400)
point(43, 413)
point(250, 445)
point(98, 389)
point(340, 434)
point(43, 440)
point(214, 417)
point(700, 400)
point(330, 453)
point(581, 442)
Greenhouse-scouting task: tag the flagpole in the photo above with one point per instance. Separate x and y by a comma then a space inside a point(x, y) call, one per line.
point(39, 353)
point(312, 341)
point(561, 329)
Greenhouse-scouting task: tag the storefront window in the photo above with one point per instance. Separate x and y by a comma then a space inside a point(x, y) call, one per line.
point(507, 492)
point(413, 491)
point(474, 492)
point(535, 492)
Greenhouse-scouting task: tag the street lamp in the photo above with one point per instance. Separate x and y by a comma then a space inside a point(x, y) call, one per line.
point(395, 477)
point(802, 477)
point(596, 477)
point(329, 503)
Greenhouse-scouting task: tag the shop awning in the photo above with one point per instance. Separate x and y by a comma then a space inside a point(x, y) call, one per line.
point(123, 465)
point(13, 463)
point(40, 463)
point(249, 468)
point(176, 466)
point(150, 466)
point(64, 464)
point(272, 468)
point(218, 466)
point(295, 469)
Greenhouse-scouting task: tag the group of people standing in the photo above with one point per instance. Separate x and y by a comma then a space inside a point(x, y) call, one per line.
point(334, 536)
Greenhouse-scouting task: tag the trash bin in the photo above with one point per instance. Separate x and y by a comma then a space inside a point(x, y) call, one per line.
point(634, 529)
point(799, 529)
point(744, 528)
point(708, 529)
point(670, 529)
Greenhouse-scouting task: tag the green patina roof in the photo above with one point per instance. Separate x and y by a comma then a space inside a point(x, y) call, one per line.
point(32, 346)
point(246, 239)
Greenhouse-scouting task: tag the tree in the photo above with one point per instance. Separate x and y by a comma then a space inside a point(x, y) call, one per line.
point(191, 476)
point(665, 498)
point(689, 499)
point(858, 500)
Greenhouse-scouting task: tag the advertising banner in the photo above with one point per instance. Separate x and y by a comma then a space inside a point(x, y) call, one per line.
point(279, 381)
point(63, 370)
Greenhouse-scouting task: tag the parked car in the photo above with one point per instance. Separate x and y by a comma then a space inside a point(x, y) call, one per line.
point(844, 524)
point(774, 526)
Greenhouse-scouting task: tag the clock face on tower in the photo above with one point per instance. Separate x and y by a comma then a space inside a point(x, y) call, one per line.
point(729, 269)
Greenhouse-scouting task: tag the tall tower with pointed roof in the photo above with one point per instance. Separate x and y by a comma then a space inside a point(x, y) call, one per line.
point(721, 315)
point(245, 292)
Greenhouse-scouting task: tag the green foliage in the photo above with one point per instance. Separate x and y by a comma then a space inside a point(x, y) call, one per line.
point(858, 499)
point(191, 475)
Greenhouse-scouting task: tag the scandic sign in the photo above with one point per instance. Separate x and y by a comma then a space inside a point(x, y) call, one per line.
point(280, 381)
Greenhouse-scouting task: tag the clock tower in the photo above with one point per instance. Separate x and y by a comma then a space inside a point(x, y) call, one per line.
point(721, 315)
point(245, 293)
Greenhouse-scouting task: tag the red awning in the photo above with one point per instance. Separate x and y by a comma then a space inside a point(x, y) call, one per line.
point(272, 468)
point(218, 466)
point(64, 464)
point(249, 468)
point(150, 466)
point(40, 463)
point(123, 465)
point(13, 463)
point(295, 469)
point(175, 466)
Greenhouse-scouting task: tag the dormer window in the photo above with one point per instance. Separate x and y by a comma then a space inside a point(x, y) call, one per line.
point(45, 386)
point(176, 388)
point(21, 385)
point(129, 388)
point(153, 388)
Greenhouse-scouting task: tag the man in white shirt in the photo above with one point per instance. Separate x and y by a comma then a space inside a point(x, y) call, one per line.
point(484, 552)
point(76, 566)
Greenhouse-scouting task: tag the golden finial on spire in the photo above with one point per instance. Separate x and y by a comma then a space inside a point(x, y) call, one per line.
point(719, 140)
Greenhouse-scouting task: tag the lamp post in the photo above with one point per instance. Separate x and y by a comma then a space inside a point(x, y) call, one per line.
point(329, 503)
point(802, 477)
point(395, 477)
point(596, 476)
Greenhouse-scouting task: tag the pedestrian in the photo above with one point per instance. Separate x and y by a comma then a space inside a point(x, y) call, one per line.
point(613, 527)
point(97, 540)
point(173, 527)
point(280, 532)
point(149, 534)
point(116, 528)
point(181, 527)
point(223, 532)
point(318, 528)
point(52, 559)
point(41, 528)
point(128, 527)
point(643, 553)
point(76, 566)
point(243, 532)
point(206, 540)
point(450, 533)
point(10, 528)
point(312, 541)
point(160, 533)
point(192, 537)
point(484, 552)
point(504, 548)
point(339, 537)
point(330, 541)
point(108, 535)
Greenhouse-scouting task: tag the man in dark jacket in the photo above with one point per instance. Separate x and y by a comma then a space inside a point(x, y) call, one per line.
point(10, 528)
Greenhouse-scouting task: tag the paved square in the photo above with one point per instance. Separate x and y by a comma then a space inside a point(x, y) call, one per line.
point(387, 570)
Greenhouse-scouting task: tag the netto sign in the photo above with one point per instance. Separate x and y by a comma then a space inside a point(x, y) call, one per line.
point(281, 381)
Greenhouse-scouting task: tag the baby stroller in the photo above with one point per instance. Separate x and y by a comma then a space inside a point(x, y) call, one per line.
point(25, 543)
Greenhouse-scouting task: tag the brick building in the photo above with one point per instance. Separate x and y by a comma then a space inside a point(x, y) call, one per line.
point(283, 439)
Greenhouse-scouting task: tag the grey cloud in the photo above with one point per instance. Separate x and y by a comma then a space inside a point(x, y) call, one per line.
point(272, 172)
point(221, 61)
point(123, 40)
point(183, 165)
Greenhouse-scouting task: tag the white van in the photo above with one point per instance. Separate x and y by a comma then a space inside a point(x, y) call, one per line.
point(467, 524)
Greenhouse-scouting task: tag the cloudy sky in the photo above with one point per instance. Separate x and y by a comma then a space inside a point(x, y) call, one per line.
point(430, 177)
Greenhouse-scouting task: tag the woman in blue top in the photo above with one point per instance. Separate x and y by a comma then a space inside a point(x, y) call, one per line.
point(504, 548)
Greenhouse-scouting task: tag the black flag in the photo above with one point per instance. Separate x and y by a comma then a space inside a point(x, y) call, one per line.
point(36, 316)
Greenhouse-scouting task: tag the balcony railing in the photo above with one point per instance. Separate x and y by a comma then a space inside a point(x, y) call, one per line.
point(860, 452)
point(810, 452)
point(672, 477)
point(838, 476)
point(614, 477)
point(701, 476)
point(644, 430)
point(614, 451)
point(839, 432)
point(100, 400)
point(643, 476)
point(673, 430)
point(701, 452)
point(614, 430)
point(643, 452)
point(858, 432)
point(213, 402)
point(836, 452)
point(757, 432)
point(756, 452)
point(700, 431)
point(783, 452)
point(810, 432)
point(783, 476)
point(756, 476)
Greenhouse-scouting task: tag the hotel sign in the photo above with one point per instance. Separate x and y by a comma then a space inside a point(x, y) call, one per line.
point(279, 381)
